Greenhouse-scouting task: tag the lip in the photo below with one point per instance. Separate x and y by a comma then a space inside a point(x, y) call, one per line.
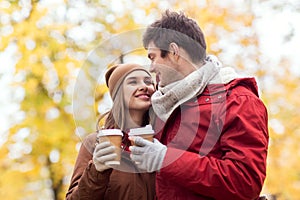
point(143, 96)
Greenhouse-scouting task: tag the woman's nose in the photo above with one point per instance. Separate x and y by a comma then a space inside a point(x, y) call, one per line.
point(143, 87)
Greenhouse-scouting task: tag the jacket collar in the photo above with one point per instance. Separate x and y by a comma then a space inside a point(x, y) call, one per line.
point(249, 82)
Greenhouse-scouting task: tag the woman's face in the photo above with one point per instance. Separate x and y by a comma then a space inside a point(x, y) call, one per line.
point(138, 88)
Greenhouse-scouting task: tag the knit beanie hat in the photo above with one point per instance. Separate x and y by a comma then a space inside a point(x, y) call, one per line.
point(116, 74)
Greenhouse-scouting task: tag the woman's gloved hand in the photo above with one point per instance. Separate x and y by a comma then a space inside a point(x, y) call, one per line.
point(103, 152)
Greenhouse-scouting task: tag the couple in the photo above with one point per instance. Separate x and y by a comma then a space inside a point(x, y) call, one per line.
point(211, 127)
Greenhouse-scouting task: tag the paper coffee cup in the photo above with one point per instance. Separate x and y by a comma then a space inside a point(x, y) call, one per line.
point(114, 136)
point(145, 132)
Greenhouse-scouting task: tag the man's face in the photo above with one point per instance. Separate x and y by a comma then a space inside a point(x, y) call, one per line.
point(166, 69)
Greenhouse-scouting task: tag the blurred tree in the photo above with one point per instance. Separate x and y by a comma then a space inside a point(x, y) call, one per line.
point(280, 88)
point(281, 96)
point(53, 42)
point(41, 148)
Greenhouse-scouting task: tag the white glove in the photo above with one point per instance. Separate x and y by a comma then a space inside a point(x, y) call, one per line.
point(148, 155)
point(103, 152)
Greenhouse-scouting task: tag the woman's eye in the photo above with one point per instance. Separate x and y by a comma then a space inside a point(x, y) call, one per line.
point(132, 82)
point(148, 82)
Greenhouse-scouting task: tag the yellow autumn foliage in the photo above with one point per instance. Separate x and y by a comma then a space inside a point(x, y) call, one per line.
point(52, 60)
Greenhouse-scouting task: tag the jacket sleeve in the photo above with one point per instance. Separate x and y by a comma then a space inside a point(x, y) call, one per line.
point(240, 172)
point(86, 182)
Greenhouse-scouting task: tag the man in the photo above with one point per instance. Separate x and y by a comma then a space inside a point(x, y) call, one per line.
point(211, 125)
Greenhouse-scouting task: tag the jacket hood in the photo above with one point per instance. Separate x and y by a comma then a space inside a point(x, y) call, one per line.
point(249, 83)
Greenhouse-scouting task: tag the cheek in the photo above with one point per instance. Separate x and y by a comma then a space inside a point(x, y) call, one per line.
point(128, 96)
point(151, 90)
point(164, 61)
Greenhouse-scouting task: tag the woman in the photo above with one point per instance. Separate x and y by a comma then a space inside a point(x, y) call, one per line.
point(130, 87)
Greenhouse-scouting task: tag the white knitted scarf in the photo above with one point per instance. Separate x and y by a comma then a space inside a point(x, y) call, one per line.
point(166, 99)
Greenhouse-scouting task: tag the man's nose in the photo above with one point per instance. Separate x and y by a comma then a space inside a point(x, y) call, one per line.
point(152, 68)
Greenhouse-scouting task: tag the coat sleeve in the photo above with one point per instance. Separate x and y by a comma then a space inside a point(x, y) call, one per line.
point(86, 182)
point(240, 172)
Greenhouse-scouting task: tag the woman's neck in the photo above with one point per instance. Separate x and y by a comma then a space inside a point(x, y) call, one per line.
point(134, 119)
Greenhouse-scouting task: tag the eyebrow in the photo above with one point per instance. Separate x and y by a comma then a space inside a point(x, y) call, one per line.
point(134, 77)
point(128, 78)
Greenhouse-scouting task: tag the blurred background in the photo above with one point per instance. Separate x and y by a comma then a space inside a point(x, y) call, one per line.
point(53, 54)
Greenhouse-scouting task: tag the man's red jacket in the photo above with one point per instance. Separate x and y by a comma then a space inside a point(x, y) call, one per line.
point(217, 145)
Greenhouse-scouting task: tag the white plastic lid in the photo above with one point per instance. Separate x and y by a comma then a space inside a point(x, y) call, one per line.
point(141, 131)
point(106, 132)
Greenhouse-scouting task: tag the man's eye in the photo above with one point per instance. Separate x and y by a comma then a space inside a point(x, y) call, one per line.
point(151, 57)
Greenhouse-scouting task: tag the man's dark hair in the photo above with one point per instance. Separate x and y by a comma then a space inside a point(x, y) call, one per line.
point(178, 28)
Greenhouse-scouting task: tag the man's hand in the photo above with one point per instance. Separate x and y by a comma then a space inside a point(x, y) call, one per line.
point(148, 155)
point(103, 152)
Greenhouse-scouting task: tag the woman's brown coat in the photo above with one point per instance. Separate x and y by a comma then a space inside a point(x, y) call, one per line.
point(127, 183)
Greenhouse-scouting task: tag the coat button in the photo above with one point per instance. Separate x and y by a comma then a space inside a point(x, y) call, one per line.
point(207, 99)
point(220, 96)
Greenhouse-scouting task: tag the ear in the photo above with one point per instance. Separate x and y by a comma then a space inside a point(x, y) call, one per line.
point(174, 50)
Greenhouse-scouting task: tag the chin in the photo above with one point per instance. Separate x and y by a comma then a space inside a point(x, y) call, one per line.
point(144, 108)
point(141, 107)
